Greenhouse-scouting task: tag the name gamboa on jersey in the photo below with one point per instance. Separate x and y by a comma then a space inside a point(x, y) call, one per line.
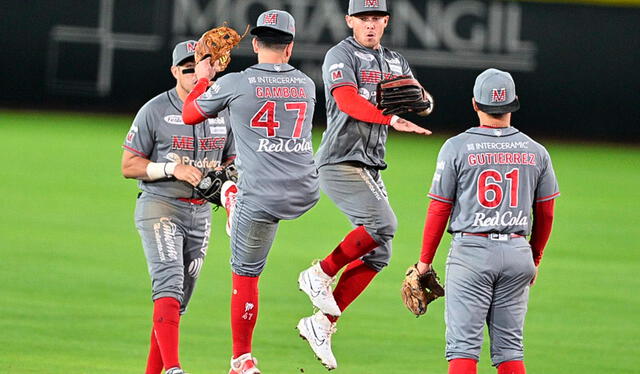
point(492, 177)
point(271, 108)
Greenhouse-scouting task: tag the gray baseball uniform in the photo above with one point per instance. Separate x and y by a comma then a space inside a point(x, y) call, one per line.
point(175, 233)
point(492, 177)
point(271, 109)
point(352, 152)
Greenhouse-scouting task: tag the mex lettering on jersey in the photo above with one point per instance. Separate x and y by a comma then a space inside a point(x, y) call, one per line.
point(187, 143)
point(374, 76)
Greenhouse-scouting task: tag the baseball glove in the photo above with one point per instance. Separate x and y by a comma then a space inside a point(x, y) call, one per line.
point(418, 290)
point(210, 186)
point(217, 44)
point(403, 94)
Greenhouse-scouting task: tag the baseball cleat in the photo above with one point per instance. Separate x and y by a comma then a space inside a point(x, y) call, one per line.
point(228, 193)
point(317, 331)
point(244, 364)
point(317, 285)
point(175, 370)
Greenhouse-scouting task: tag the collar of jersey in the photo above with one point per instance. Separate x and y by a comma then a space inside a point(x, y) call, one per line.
point(269, 67)
point(497, 132)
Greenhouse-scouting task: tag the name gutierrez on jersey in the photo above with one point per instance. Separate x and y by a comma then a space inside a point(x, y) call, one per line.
point(288, 146)
point(522, 158)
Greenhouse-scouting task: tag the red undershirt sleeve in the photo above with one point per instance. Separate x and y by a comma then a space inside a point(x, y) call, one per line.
point(191, 113)
point(542, 223)
point(434, 226)
point(358, 107)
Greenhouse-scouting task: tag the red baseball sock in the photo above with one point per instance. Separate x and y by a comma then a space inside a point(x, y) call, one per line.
point(463, 366)
point(356, 244)
point(512, 367)
point(154, 361)
point(166, 324)
point(244, 312)
point(353, 281)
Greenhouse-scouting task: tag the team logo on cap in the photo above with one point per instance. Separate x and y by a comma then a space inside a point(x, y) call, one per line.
point(191, 47)
point(498, 96)
point(371, 3)
point(271, 19)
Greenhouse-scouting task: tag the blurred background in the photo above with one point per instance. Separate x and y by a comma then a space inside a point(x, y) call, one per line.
point(75, 294)
point(575, 62)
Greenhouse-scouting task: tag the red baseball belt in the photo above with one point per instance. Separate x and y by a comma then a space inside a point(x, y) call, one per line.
point(193, 201)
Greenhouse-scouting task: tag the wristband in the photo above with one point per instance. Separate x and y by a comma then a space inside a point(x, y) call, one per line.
point(394, 119)
point(159, 170)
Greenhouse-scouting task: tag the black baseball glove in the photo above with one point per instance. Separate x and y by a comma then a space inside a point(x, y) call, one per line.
point(403, 94)
point(210, 186)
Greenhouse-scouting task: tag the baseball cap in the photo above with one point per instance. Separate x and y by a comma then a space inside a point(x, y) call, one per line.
point(366, 6)
point(275, 22)
point(183, 50)
point(495, 92)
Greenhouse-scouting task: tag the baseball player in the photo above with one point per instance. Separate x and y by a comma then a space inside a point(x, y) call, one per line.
point(168, 159)
point(495, 185)
point(350, 159)
point(271, 107)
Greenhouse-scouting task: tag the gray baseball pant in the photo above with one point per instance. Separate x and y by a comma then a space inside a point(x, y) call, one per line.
point(360, 194)
point(487, 281)
point(175, 237)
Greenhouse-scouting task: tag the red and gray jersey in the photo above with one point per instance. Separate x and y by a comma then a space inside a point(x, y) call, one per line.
point(158, 134)
point(346, 138)
point(493, 177)
point(271, 109)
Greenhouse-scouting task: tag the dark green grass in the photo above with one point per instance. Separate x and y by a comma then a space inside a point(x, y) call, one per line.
point(75, 290)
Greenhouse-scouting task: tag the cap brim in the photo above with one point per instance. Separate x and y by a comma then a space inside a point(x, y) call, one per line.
point(260, 29)
point(500, 109)
point(385, 13)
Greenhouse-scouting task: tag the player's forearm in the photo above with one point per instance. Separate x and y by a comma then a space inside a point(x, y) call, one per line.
point(358, 107)
point(434, 226)
point(136, 167)
point(542, 224)
point(191, 114)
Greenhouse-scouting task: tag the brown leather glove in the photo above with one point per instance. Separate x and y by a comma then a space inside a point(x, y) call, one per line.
point(418, 290)
point(217, 44)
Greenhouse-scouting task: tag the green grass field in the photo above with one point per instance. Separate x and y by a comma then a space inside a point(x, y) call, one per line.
point(76, 293)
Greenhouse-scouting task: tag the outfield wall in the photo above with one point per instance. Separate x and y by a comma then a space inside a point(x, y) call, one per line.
point(575, 65)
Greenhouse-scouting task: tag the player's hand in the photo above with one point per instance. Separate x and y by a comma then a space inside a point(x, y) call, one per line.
point(535, 276)
point(423, 267)
point(188, 174)
point(205, 70)
point(407, 126)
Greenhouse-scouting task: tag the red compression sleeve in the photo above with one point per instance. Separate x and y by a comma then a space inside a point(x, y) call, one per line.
point(542, 222)
point(434, 226)
point(191, 112)
point(357, 106)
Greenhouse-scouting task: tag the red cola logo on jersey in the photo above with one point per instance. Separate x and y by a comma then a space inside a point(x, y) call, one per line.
point(284, 146)
point(504, 219)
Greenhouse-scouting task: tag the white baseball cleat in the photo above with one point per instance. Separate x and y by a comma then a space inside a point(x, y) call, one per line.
point(317, 330)
point(228, 193)
point(175, 370)
point(244, 364)
point(315, 283)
